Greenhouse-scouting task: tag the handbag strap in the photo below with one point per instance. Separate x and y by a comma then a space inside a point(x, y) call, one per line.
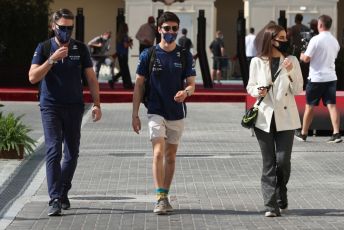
point(273, 79)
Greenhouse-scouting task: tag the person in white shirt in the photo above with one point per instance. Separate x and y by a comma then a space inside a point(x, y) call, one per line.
point(322, 80)
point(251, 51)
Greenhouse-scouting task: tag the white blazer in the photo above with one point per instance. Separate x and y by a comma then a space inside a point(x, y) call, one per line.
point(280, 100)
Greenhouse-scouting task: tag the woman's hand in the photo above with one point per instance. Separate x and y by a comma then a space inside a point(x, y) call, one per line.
point(287, 64)
point(262, 91)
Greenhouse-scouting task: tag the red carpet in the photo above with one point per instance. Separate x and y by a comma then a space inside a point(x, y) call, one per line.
point(321, 119)
point(220, 93)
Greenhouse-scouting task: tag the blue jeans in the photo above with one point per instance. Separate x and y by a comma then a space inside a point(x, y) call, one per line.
point(61, 125)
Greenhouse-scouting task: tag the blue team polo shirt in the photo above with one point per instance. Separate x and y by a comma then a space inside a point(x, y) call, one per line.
point(62, 85)
point(166, 79)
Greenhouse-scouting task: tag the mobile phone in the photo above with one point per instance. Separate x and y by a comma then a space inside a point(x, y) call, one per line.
point(263, 87)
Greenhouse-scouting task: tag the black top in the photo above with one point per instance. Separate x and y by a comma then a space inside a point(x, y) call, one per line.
point(274, 67)
point(216, 46)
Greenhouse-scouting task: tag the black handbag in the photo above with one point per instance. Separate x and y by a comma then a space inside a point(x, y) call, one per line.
point(250, 117)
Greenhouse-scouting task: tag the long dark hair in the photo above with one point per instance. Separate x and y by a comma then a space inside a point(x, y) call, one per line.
point(269, 34)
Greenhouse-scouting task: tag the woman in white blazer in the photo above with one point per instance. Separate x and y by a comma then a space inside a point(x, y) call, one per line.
point(276, 77)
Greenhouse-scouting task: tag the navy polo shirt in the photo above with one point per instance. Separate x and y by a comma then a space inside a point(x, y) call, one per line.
point(166, 79)
point(62, 85)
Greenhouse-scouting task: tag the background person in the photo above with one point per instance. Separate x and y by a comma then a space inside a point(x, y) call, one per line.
point(184, 41)
point(123, 43)
point(146, 34)
point(278, 116)
point(61, 104)
point(217, 48)
point(166, 107)
point(99, 46)
point(295, 35)
point(250, 50)
point(321, 52)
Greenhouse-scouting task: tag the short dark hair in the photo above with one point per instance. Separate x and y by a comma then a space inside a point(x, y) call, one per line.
point(326, 21)
point(62, 13)
point(184, 31)
point(168, 17)
point(298, 18)
point(251, 30)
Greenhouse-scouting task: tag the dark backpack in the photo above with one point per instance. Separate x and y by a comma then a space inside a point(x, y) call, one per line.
point(46, 54)
point(151, 58)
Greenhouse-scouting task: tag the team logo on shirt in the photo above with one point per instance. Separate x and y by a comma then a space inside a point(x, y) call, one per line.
point(157, 65)
point(74, 57)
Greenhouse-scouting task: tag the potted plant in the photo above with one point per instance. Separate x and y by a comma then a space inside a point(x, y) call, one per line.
point(14, 140)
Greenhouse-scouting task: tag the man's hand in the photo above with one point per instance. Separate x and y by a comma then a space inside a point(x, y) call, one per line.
point(304, 58)
point(180, 96)
point(96, 113)
point(136, 124)
point(60, 53)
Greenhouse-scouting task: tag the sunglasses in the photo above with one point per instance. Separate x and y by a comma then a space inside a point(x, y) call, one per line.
point(168, 28)
point(64, 28)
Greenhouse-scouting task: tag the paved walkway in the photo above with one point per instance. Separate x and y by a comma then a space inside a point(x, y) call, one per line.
point(216, 185)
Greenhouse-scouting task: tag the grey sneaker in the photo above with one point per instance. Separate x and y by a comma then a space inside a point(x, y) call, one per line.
point(299, 136)
point(160, 207)
point(336, 138)
point(54, 208)
point(168, 205)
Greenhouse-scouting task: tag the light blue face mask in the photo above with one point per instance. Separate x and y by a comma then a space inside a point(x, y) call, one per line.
point(170, 37)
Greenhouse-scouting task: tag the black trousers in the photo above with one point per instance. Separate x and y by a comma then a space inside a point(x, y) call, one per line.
point(276, 148)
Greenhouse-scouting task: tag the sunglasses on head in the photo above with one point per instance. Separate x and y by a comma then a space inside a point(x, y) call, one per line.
point(64, 28)
point(168, 28)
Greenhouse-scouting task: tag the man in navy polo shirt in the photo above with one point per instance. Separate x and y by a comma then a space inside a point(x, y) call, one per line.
point(61, 103)
point(166, 107)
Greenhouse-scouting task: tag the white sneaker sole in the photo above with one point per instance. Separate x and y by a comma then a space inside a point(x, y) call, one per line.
point(335, 141)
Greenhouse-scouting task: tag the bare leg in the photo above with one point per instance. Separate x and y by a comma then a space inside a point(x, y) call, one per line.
point(307, 119)
point(218, 73)
point(213, 73)
point(335, 118)
point(170, 163)
point(158, 162)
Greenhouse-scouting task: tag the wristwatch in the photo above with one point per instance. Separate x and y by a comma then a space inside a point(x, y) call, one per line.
point(51, 61)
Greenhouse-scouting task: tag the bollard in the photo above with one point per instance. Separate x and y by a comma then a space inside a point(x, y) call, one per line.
point(201, 51)
point(282, 21)
point(241, 53)
point(157, 35)
point(80, 25)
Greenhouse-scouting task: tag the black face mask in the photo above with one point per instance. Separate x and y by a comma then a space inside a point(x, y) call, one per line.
point(282, 47)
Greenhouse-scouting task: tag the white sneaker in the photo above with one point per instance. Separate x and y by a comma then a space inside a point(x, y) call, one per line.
point(160, 207)
point(270, 214)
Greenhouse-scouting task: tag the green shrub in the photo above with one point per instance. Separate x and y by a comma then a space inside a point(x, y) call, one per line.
point(13, 134)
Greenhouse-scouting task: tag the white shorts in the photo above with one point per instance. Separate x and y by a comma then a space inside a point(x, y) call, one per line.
point(160, 127)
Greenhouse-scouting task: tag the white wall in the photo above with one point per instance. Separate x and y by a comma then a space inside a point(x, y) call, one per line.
point(259, 12)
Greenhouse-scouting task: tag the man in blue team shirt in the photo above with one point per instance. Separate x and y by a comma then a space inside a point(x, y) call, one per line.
point(61, 103)
point(166, 108)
